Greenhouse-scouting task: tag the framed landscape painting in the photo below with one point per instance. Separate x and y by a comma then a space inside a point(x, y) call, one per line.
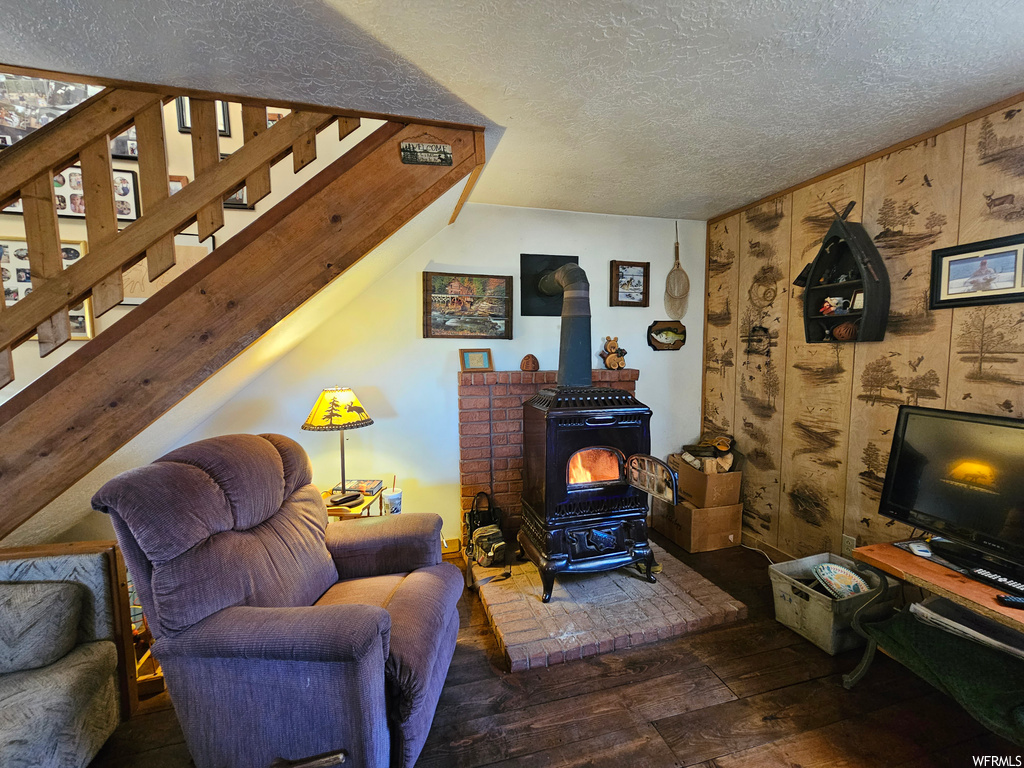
point(460, 306)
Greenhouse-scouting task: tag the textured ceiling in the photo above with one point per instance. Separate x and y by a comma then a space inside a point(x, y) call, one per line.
point(675, 109)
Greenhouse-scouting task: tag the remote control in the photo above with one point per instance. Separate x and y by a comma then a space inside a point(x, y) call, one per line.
point(998, 580)
point(1010, 601)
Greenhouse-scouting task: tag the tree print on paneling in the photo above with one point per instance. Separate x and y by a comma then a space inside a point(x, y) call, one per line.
point(986, 372)
point(818, 384)
point(993, 184)
point(721, 324)
point(911, 206)
point(764, 280)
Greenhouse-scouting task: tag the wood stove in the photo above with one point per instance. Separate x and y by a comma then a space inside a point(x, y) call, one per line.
point(579, 512)
point(586, 472)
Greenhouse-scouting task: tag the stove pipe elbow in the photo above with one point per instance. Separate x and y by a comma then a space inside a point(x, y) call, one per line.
point(574, 349)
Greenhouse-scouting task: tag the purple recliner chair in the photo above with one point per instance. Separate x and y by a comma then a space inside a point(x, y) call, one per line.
point(281, 636)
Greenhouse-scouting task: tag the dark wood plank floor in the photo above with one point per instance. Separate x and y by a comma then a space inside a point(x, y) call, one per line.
point(749, 695)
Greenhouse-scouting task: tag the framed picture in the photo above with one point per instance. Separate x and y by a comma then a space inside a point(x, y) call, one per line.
point(185, 117)
point(238, 201)
point(188, 250)
point(125, 146)
point(29, 103)
point(986, 272)
point(857, 301)
point(460, 306)
point(476, 360)
point(273, 117)
point(67, 191)
point(176, 183)
point(630, 284)
point(17, 280)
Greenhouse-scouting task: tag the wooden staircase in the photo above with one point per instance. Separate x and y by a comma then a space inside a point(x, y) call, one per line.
point(76, 415)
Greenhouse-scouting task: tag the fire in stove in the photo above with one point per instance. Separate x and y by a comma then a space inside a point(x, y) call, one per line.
point(595, 466)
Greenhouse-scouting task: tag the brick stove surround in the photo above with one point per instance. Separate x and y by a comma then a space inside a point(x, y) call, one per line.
point(491, 432)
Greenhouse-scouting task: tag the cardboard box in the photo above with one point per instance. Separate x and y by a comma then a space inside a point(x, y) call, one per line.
point(698, 529)
point(703, 491)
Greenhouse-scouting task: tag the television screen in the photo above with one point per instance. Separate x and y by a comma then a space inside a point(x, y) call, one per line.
point(960, 475)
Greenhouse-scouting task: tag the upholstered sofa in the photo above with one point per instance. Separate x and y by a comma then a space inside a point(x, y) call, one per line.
point(59, 692)
point(281, 636)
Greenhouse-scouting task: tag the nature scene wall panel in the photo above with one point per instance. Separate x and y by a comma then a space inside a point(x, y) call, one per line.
point(993, 203)
point(764, 282)
point(911, 206)
point(818, 383)
point(720, 336)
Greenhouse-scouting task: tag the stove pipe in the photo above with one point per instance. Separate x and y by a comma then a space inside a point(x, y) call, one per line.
point(574, 349)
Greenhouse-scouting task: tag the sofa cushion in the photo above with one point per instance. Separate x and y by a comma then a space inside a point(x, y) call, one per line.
point(38, 623)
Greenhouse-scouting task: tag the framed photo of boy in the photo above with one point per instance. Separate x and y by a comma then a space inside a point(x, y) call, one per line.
point(630, 284)
point(986, 272)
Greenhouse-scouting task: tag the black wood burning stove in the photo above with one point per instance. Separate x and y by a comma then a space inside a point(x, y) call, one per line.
point(586, 472)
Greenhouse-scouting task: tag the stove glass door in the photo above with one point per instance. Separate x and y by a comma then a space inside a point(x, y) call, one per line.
point(653, 476)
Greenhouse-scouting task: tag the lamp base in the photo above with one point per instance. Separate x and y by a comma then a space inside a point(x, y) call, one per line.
point(347, 499)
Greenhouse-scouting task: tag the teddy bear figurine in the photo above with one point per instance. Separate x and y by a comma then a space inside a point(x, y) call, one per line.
point(614, 356)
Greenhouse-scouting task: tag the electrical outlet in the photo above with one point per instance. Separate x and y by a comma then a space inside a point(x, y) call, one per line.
point(849, 542)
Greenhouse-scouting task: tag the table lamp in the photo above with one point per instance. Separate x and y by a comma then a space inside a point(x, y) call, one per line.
point(339, 408)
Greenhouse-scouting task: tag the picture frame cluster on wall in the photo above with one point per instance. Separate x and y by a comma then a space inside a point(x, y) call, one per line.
point(630, 284)
point(975, 274)
point(465, 306)
point(69, 195)
point(15, 271)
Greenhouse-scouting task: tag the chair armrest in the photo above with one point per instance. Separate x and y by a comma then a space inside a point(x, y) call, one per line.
point(375, 546)
point(326, 633)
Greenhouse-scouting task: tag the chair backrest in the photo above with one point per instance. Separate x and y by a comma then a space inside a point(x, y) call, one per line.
point(232, 520)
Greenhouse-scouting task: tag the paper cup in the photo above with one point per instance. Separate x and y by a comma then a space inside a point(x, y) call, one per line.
point(393, 501)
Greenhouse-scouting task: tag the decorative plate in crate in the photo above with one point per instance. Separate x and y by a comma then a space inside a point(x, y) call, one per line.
point(839, 580)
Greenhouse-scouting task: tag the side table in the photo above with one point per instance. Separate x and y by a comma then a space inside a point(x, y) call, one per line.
point(357, 510)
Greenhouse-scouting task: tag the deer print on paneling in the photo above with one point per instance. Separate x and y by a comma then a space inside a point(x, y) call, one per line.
point(993, 185)
point(911, 206)
point(764, 283)
point(818, 382)
point(986, 369)
point(720, 336)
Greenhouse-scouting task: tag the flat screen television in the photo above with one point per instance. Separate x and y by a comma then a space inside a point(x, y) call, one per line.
point(961, 476)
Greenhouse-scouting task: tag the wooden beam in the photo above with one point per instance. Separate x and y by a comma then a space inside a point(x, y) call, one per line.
point(81, 411)
point(105, 114)
point(304, 151)
point(347, 125)
point(257, 183)
point(42, 237)
point(471, 182)
point(166, 217)
point(154, 184)
point(206, 155)
point(101, 217)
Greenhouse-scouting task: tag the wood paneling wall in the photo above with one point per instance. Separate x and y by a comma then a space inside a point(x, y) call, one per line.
point(814, 420)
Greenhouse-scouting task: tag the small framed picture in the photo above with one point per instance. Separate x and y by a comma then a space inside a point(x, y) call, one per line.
point(176, 183)
point(630, 284)
point(476, 360)
point(857, 301)
point(273, 117)
point(185, 117)
point(986, 272)
point(125, 146)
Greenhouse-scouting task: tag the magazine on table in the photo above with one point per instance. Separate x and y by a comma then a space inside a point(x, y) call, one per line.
point(365, 487)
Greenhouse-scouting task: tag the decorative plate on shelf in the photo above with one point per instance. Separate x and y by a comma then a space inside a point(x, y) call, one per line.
point(839, 580)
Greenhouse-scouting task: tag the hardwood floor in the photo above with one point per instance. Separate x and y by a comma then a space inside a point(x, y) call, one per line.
point(750, 695)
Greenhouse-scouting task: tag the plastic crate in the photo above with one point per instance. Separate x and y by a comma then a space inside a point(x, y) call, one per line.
point(819, 617)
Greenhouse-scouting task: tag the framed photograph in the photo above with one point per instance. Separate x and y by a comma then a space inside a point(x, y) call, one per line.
point(188, 250)
point(185, 117)
point(176, 183)
point(460, 306)
point(125, 146)
point(630, 284)
point(67, 191)
point(476, 360)
point(17, 280)
point(986, 272)
point(857, 301)
point(29, 103)
point(238, 201)
point(273, 117)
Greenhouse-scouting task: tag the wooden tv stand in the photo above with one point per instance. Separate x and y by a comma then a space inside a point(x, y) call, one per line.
point(937, 579)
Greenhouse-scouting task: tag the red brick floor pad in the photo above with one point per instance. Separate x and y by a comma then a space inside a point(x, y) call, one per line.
point(598, 612)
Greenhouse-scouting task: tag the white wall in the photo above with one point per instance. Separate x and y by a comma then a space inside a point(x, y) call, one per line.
point(408, 384)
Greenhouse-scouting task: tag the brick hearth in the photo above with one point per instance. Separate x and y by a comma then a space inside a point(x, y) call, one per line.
point(491, 431)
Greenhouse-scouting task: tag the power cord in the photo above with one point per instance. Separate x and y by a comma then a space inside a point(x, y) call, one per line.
point(759, 551)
